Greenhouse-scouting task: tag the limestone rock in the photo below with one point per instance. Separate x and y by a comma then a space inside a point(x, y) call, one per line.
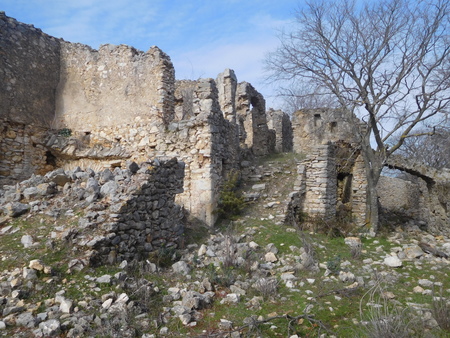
point(36, 264)
point(413, 252)
point(393, 262)
point(27, 241)
point(181, 267)
point(16, 209)
point(50, 327)
point(270, 257)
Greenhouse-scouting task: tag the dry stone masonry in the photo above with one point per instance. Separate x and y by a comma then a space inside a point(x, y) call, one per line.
point(66, 105)
point(344, 194)
point(102, 108)
point(127, 213)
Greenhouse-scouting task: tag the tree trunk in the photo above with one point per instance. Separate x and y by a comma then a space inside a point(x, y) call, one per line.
point(372, 206)
point(373, 161)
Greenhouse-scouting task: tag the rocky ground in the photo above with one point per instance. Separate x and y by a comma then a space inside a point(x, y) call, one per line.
point(253, 276)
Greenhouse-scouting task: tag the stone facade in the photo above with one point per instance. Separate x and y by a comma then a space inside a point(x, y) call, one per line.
point(111, 86)
point(423, 199)
point(318, 182)
point(29, 73)
point(22, 152)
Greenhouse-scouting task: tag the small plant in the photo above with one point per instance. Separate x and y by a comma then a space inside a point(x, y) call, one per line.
point(440, 309)
point(231, 202)
point(334, 265)
point(164, 257)
point(382, 319)
point(65, 132)
point(267, 287)
point(310, 263)
point(229, 258)
point(223, 276)
point(356, 250)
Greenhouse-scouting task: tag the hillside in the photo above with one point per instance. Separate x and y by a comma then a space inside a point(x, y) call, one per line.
point(253, 276)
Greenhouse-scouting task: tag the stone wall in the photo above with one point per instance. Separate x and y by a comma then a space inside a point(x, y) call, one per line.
point(124, 213)
point(22, 153)
point(359, 193)
point(114, 85)
point(29, 73)
point(314, 127)
point(417, 202)
point(280, 122)
point(251, 113)
point(320, 182)
point(399, 195)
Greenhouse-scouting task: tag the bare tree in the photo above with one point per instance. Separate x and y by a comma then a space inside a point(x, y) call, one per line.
point(300, 96)
point(432, 150)
point(386, 62)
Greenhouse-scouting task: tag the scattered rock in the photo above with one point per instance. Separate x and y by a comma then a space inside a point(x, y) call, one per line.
point(27, 241)
point(393, 262)
point(270, 257)
point(181, 267)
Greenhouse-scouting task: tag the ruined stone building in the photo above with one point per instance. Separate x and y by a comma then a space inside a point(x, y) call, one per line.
point(66, 105)
point(331, 180)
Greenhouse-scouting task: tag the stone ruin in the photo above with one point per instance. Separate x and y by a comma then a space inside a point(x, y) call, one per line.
point(66, 105)
point(331, 180)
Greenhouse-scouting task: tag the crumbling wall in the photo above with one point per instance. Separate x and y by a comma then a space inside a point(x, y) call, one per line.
point(313, 127)
point(184, 99)
point(29, 73)
point(105, 107)
point(113, 85)
point(254, 133)
point(280, 122)
point(22, 153)
point(320, 182)
point(124, 213)
point(417, 202)
point(398, 195)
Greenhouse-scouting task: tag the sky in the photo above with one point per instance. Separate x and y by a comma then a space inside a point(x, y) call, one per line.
point(202, 37)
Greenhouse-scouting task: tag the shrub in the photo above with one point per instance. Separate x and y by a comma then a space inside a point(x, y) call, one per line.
point(164, 257)
point(382, 319)
point(223, 276)
point(356, 250)
point(440, 309)
point(266, 287)
point(65, 132)
point(334, 265)
point(231, 202)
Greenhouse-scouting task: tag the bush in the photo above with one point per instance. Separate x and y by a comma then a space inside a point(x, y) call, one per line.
point(223, 276)
point(231, 202)
point(440, 309)
point(65, 132)
point(334, 265)
point(382, 319)
point(267, 287)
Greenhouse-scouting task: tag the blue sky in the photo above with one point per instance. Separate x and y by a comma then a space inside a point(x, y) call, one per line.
point(202, 37)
